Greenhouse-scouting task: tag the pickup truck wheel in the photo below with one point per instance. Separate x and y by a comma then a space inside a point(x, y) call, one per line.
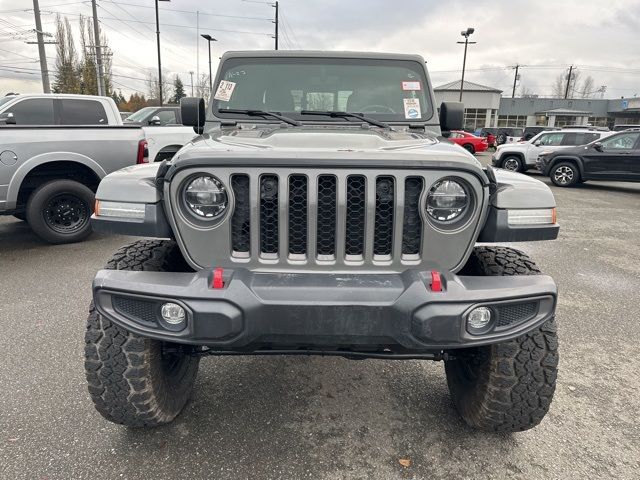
point(133, 380)
point(59, 211)
point(513, 164)
point(469, 148)
point(564, 174)
point(505, 387)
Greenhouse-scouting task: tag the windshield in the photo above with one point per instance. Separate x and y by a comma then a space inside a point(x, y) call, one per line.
point(140, 115)
point(388, 90)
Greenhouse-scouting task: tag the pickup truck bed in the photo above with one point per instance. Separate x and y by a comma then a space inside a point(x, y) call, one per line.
point(66, 163)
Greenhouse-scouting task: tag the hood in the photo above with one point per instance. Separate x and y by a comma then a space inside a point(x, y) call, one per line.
point(321, 138)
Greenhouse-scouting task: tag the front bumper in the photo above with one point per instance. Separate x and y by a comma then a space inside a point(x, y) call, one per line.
point(357, 312)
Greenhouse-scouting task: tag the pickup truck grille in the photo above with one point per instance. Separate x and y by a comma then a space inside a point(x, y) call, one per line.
point(324, 217)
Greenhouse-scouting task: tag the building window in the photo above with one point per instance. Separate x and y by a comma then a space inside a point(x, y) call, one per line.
point(542, 120)
point(474, 118)
point(512, 121)
point(562, 121)
point(599, 121)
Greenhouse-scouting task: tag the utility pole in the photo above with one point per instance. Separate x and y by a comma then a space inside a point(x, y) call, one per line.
point(159, 62)
point(465, 34)
point(191, 73)
point(515, 79)
point(46, 87)
point(276, 22)
point(566, 90)
point(102, 91)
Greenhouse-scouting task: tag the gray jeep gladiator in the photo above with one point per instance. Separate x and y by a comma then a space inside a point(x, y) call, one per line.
point(321, 212)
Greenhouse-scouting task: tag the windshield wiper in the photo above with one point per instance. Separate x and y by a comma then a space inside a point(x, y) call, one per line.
point(262, 113)
point(369, 120)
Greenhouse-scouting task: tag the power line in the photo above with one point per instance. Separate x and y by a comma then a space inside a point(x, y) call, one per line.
point(242, 17)
point(192, 27)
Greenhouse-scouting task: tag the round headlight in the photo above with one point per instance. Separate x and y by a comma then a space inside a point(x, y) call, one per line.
point(206, 197)
point(447, 201)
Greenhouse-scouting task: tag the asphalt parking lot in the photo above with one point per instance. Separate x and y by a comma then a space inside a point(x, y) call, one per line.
point(329, 418)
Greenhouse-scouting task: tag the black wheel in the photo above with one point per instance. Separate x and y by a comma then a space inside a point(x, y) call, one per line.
point(505, 387)
point(469, 148)
point(564, 174)
point(512, 163)
point(133, 380)
point(501, 139)
point(59, 211)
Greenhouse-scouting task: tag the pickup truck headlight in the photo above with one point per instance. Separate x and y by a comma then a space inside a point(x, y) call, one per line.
point(206, 197)
point(447, 201)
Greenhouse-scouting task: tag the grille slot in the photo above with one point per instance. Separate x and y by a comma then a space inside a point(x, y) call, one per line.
point(412, 221)
point(327, 207)
point(356, 210)
point(269, 214)
point(383, 230)
point(298, 215)
point(241, 221)
point(515, 313)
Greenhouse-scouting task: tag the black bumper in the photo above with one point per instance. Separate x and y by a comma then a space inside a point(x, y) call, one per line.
point(364, 312)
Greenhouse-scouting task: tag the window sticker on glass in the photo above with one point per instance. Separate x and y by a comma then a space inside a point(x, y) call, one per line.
point(225, 90)
point(411, 86)
point(411, 108)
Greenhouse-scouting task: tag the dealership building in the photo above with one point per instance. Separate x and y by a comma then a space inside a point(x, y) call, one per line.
point(486, 107)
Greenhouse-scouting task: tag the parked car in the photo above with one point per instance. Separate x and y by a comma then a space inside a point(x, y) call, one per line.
point(509, 135)
point(63, 109)
point(124, 115)
point(49, 174)
point(522, 156)
point(468, 141)
point(530, 132)
point(323, 232)
point(621, 127)
point(156, 116)
point(616, 157)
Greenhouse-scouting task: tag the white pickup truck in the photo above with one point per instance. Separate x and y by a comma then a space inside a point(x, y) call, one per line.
point(67, 109)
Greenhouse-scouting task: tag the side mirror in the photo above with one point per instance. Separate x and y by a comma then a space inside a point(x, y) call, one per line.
point(598, 146)
point(155, 120)
point(10, 119)
point(193, 113)
point(537, 143)
point(451, 116)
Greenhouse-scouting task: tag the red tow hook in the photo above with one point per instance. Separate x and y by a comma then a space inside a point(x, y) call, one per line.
point(218, 282)
point(436, 281)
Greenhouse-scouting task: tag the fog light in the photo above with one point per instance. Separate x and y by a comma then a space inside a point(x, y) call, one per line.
point(172, 313)
point(479, 318)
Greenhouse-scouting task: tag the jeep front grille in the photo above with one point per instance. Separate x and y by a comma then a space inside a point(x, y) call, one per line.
point(380, 216)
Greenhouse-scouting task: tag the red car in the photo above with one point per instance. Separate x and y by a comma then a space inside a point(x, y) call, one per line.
point(468, 141)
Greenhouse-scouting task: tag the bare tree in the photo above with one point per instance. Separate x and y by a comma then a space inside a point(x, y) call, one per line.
point(587, 89)
point(557, 89)
point(67, 79)
point(154, 88)
point(202, 87)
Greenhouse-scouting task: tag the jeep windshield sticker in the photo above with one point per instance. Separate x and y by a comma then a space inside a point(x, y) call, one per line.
point(225, 90)
point(412, 108)
point(411, 86)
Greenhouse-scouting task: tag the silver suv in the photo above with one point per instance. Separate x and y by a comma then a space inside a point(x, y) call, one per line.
point(522, 156)
point(321, 214)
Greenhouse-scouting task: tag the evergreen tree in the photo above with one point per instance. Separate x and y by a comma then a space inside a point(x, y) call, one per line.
point(178, 90)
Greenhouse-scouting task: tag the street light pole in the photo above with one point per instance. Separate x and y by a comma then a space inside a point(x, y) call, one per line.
point(159, 61)
point(209, 39)
point(465, 33)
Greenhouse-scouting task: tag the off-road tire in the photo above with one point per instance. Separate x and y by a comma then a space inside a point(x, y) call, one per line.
point(132, 381)
point(469, 148)
point(513, 163)
point(505, 387)
point(571, 177)
point(38, 207)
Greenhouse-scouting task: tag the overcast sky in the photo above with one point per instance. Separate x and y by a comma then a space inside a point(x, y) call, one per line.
point(545, 36)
